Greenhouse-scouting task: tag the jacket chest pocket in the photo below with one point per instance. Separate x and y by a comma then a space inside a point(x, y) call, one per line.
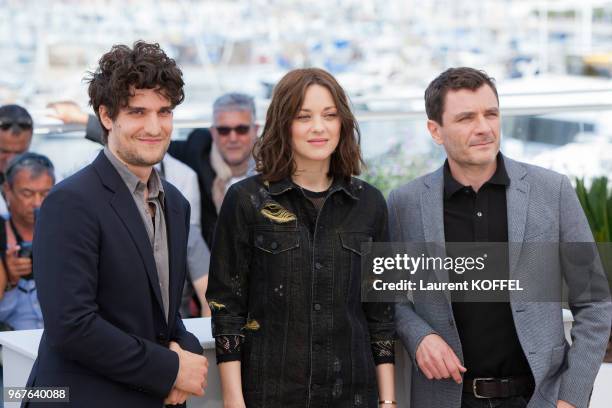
point(275, 259)
point(351, 258)
point(276, 242)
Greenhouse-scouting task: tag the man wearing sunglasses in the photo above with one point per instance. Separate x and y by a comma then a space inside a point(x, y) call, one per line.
point(15, 136)
point(220, 155)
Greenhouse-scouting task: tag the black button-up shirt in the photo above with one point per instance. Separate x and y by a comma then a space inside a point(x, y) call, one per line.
point(491, 347)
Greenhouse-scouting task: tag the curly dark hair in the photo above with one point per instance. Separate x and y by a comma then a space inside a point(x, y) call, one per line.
point(121, 70)
point(272, 152)
point(453, 79)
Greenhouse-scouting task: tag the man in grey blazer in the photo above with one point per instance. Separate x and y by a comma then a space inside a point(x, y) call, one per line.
point(480, 195)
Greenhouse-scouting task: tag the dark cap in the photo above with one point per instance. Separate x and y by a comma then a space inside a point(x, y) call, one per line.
point(14, 112)
point(15, 117)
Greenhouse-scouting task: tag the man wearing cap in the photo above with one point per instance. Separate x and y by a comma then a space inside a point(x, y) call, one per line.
point(15, 137)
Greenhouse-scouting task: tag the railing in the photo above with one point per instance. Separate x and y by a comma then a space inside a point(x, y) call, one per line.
point(512, 104)
point(569, 131)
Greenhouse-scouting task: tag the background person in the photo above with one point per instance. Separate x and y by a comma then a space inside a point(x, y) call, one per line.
point(29, 178)
point(16, 127)
point(198, 254)
point(221, 155)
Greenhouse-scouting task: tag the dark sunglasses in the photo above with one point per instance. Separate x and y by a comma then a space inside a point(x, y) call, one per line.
point(240, 129)
point(6, 124)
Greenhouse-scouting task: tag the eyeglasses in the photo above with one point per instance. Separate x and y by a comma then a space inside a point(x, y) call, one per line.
point(23, 124)
point(226, 130)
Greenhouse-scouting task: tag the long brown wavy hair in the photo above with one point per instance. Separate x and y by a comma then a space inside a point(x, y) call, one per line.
point(273, 153)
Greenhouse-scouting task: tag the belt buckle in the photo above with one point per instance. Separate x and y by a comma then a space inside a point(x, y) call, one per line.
point(475, 383)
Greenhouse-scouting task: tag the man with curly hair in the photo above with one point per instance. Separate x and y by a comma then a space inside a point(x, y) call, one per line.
point(112, 240)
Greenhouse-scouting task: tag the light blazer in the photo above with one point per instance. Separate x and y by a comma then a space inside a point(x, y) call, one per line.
point(542, 207)
point(106, 336)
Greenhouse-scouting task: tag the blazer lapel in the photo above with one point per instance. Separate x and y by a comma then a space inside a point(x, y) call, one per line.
point(174, 230)
point(432, 210)
point(517, 202)
point(125, 207)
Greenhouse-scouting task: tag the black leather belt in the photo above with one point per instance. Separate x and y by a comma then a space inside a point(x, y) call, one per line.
point(499, 387)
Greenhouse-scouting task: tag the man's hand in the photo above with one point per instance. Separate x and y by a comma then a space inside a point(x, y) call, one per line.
point(193, 370)
point(68, 112)
point(176, 396)
point(438, 360)
point(563, 404)
point(17, 267)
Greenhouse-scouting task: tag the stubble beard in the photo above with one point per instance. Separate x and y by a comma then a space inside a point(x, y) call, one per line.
point(138, 158)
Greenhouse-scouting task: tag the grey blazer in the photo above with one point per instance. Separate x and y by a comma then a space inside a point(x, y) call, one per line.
point(542, 207)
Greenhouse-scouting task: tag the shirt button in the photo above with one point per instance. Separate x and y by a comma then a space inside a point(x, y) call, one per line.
point(479, 214)
point(273, 245)
point(317, 307)
point(318, 265)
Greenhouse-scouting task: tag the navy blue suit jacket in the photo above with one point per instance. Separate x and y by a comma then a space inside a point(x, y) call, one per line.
point(106, 336)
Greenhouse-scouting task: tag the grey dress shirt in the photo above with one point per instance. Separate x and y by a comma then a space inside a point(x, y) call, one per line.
point(152, 213)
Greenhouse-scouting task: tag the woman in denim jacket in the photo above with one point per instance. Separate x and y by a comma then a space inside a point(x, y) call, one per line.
point(284, 288)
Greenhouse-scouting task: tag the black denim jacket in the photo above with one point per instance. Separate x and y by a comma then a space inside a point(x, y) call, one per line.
point(286, 301)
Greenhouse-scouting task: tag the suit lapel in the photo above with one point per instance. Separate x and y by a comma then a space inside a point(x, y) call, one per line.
point(174, 230)
point(124, 206)
point(517, 202)
point(432, 206)
point(432, 210)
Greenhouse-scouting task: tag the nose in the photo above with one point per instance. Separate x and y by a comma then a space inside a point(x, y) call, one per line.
point(233, 135)
point(38, 199)
point(152, 125)
point(483, 125)
point(317, 124)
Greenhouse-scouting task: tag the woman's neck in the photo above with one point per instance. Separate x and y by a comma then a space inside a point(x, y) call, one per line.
point(312, 176)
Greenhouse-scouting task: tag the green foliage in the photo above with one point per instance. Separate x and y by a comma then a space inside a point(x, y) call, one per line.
point(597, 205)
point(397, 167)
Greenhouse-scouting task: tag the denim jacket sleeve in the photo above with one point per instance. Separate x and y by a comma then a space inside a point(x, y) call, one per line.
point(227, 292)
point(380, 316)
